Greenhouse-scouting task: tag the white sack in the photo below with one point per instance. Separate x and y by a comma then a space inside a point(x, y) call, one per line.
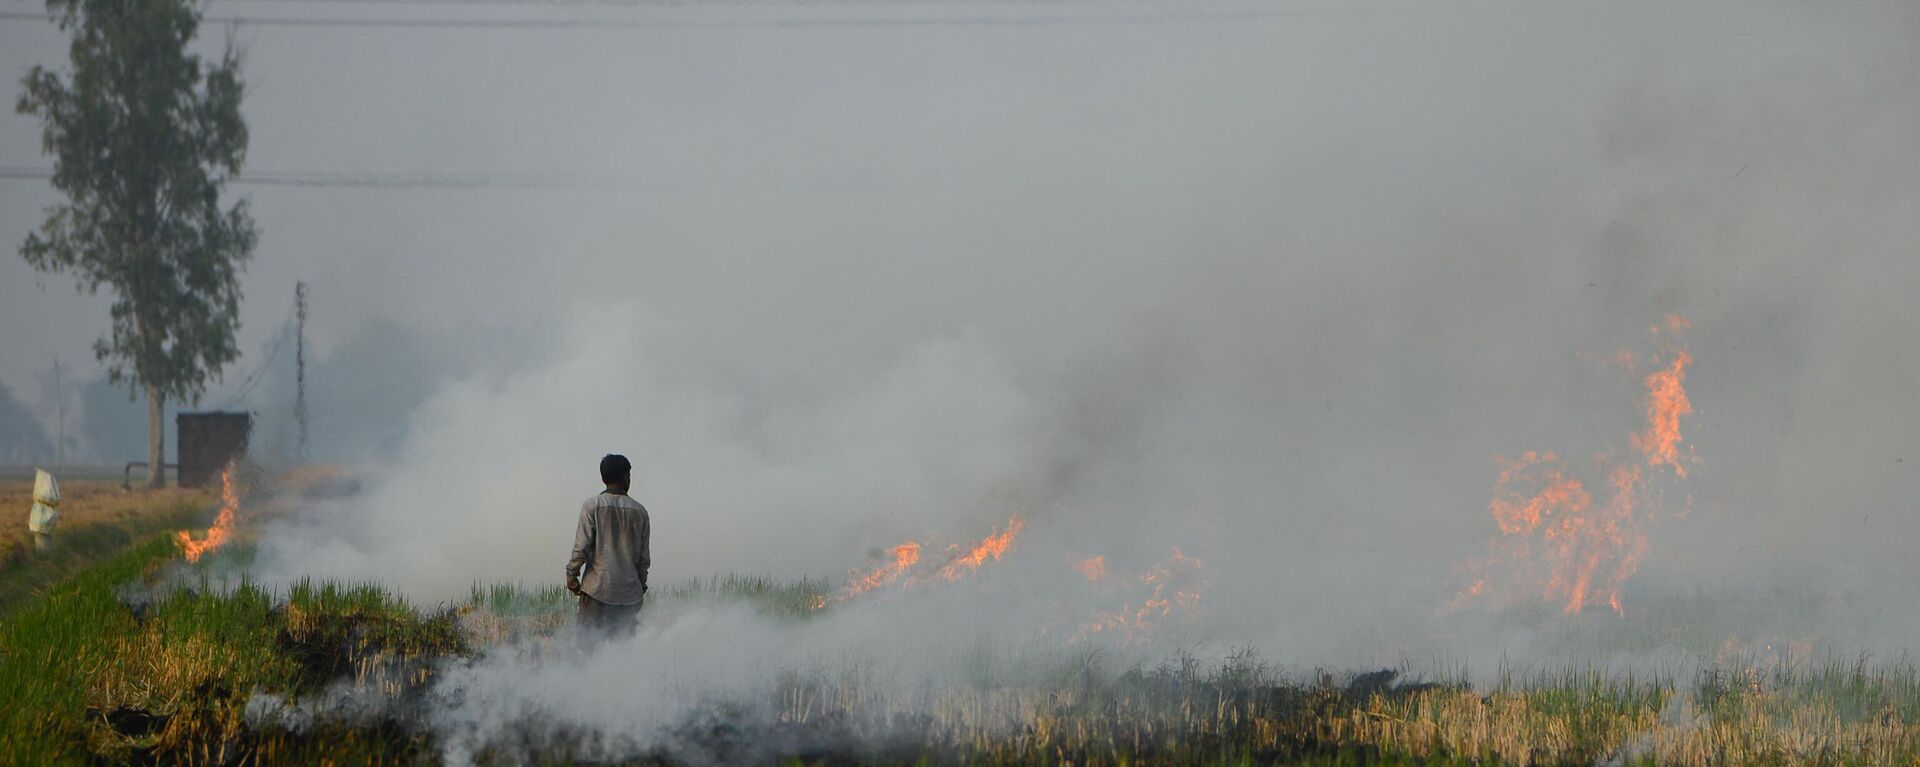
point(46, 503)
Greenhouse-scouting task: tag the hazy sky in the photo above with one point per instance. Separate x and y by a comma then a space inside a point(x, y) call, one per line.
point(1302, 110)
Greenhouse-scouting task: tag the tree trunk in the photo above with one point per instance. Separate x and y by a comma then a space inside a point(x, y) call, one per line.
point(156, 438)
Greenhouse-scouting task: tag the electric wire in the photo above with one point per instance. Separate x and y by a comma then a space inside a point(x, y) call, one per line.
point(259, 371)
point(363, 180)
point(1145, 17)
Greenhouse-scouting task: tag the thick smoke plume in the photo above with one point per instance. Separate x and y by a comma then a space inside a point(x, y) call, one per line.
point(1273, 293)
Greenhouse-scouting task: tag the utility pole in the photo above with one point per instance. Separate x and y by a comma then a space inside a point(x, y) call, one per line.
point(59, 417)
point(300, 365)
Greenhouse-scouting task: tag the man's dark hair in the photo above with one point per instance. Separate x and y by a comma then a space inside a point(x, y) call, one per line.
point(614, 469)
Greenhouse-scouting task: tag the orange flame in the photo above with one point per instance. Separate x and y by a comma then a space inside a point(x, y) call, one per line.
point(994, 545)
point(905, 556)
point(1095, 568)
point(1168, 590)
point(1520, 513)
point(1556, 544)
point(1666, 403)
point(222, 524)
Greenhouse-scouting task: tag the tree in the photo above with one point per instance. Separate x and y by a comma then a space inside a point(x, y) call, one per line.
point(144, 137)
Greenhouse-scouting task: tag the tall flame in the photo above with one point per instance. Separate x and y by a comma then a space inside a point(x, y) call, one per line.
point(1555, 544)
point(222, 524)
point(1666, 403)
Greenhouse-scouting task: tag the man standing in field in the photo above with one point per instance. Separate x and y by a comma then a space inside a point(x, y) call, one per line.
point(610, 546)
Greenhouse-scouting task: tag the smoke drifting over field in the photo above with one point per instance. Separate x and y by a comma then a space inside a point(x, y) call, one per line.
point(1273, 292)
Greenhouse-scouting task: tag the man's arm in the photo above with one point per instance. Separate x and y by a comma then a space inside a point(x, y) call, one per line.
point(646, 548)
point(583, 535)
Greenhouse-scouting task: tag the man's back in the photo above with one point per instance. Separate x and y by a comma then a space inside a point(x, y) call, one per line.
point(611, 545)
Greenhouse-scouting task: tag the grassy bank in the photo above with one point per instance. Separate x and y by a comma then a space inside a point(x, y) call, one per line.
point(122, 663)
point(98, 521)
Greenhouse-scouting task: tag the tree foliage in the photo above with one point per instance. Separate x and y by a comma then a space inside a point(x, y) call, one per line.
point(144, 136)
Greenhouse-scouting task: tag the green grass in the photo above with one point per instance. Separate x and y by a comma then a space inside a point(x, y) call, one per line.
point(80, 546)
point(78, 657)
point(140, 660)
point(515, 600)
point(786, 598)
point(800, 598)
point(47, 648)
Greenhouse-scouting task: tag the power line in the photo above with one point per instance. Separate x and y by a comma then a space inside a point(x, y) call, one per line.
point(246, 386)
point(700, 4)
point(364, 180)
point(1150, 17)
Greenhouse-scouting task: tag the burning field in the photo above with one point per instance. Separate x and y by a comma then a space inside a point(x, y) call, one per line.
point(1006, 382)
point(1113, 665)
point(351, 674)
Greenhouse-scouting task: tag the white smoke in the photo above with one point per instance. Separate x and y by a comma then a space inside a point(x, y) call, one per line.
point(1273, 293)
point(738, 480)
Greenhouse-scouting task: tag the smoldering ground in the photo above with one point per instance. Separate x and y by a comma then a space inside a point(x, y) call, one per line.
point(1272, 292)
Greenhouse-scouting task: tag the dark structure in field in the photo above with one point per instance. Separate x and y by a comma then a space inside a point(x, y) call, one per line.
point(208, 441)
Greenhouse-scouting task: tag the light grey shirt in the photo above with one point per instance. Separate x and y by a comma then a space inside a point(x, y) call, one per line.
point(611, 546)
